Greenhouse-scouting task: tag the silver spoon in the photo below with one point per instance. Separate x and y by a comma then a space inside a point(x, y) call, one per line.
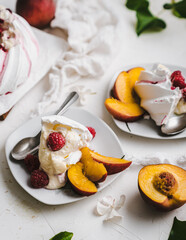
point(175, 125)
point(31, 144)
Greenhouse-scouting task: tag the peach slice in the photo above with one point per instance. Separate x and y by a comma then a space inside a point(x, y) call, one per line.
point(134, 75)
point(123, 89)
point(80, 183)
point(128, 112)
point(96, 172)
point(113, 165)
point(163, 186)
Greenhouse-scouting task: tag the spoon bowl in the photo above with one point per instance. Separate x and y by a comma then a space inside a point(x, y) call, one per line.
point(175, 125)
point(30, 145)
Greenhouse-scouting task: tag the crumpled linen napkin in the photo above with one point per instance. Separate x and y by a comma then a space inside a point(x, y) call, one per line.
point(158, 158)
point(90, 27)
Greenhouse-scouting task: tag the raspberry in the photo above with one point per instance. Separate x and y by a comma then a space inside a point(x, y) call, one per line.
point(31, 162)
point(175, 73)
point(178, 80)
point(39, 179)
point(92, 131)
point(55, 141)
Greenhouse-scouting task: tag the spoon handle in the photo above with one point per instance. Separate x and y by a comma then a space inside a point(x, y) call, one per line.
point(72, 97)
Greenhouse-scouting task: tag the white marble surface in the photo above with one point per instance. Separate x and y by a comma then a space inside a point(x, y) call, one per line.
point(23, 217)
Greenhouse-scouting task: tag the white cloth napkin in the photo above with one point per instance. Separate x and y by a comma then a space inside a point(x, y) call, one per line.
point(90, 30)
point(158, 158)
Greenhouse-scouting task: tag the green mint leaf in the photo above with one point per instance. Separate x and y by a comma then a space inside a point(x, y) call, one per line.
point(178, 8)
point(145, 19)
point(136, 4)
point(168, 6)
point(63, 236)
point(178, 231)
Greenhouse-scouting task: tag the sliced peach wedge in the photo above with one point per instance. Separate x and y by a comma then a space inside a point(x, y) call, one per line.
point(134, 75)
point(95, 171)
point(122, 90)
point(128, 112)
point(124, 85)
point(84, 174)
point(113, 165)
point(93, 168)
point(163, 186)
point(124, 106)
point(79, 182)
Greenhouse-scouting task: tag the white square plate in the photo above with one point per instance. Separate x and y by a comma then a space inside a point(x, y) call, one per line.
point(145, 127)
point(105, 142)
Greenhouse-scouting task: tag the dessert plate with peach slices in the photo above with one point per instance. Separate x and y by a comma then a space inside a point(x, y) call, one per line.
point(107, 168)
point(134, 122)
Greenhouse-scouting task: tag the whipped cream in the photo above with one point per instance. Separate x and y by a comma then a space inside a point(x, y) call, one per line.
point(56, 163)
point(157, 96)
point(19, 50)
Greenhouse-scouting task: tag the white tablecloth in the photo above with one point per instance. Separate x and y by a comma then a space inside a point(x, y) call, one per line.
point(23, 217)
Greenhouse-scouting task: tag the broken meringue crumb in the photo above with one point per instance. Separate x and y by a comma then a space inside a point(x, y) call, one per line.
point(83, 92)
point(109, 206)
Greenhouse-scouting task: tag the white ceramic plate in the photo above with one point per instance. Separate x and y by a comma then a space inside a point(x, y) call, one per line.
point(105, 142)
point(144, 127)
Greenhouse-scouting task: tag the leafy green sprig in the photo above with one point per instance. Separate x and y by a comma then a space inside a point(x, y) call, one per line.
point(147, 21)
point(63, 236)
point(178, 231)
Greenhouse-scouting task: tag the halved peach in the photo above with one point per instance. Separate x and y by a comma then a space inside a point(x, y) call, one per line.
point(128, 112)
point(123, 89)
point(163, 186)
point(113, 165)
point(79, 182)
point(96, 172)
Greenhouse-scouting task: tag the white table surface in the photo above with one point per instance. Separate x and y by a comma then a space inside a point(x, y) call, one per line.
point(23, 217)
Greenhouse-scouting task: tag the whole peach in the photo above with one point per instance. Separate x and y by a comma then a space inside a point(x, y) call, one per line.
point(38, 13)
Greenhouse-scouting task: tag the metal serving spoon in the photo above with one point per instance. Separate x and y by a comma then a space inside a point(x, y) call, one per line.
point(175, 125)
point(31, 144)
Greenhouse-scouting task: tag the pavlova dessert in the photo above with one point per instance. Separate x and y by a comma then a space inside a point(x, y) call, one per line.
point(60, 144)
point(158, 92)
point(65, 156)
point(19, 50)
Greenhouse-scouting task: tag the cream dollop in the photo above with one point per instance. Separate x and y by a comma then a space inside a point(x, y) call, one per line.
point(19, 50)
point(157, 96)
point(55, 163)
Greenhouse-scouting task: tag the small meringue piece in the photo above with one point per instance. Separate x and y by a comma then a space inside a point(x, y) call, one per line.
point(83, 92)
point(109, 207)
